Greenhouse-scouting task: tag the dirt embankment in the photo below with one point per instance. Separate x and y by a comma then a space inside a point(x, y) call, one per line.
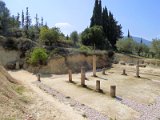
point(7, 56)
point(74, 62)
point(11, 99)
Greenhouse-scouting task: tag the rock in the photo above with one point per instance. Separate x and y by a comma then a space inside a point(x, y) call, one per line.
point(142, 65)
point(11, 65)
point(122, 63)
point(131, 64)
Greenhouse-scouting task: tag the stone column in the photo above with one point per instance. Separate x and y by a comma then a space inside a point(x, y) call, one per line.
point(98, 89)
point(70, 75)
point(17, 65)
point(83, 76)
point(94, 65)
point(103, 71)
point(137, 69)
point(39, 77)
point(124, 72)
point(113, 91)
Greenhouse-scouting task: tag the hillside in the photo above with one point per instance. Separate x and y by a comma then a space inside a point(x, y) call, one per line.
point(138, 39)
point(11, 99)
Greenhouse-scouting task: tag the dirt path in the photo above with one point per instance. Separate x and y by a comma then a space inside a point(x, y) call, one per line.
point(88, 112)
point(44, 106)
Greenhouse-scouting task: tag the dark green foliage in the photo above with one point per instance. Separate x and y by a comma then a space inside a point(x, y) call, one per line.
point(97, 14)
point(94, 36)
point(112, 31)
point(24, 44)
point(110, 53)
point(105, 22)
point(22, 21)
point(129, 36)
point(10, 44)
point(15, 32)
point(4, 18)
point(27, 23)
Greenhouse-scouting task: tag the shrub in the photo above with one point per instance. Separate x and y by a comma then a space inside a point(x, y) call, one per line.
point(2, 40)
point(126, 45)
point(10, 43)
point(38, 56)
point(85, 48)
point(110, 53)
point(23, 45)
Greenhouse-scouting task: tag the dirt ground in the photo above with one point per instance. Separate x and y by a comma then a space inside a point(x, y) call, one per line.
point(142, 90)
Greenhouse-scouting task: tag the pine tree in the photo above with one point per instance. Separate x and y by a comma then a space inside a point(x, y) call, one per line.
point(22, 21)
point(97, 14)
point(114, 30)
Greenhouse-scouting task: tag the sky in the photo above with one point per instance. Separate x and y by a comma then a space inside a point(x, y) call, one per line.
point(141, 17)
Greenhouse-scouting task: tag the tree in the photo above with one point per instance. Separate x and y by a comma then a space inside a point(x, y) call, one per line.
point(38, 56)
point(96, 18)
point(27, 23)
point(74, 37)
point(22, 21)
point(129, 36)
point(49, 36)
point(37, 21)
point(126, 45)
point(18, 20)
point(105, 22)
point(41, 21)
point(155, 47)
point(94, 36)
point(4, 18)
point(114, 32)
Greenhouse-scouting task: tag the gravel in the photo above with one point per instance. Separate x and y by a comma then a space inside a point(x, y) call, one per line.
point(86, 111)
point(148, 112)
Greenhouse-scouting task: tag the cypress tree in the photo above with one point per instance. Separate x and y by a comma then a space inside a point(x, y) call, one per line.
point(129, 34)
point(105, 21)
point(37, 21)
point(97, 14)
point(27, 23)
point(22, 21)
point(41, 21)
point(18, 21)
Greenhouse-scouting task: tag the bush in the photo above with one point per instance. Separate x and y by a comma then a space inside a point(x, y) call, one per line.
point(2, 40)
point(10, 43)
point(85, 48)
point(110, 54)
point(38, 56)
